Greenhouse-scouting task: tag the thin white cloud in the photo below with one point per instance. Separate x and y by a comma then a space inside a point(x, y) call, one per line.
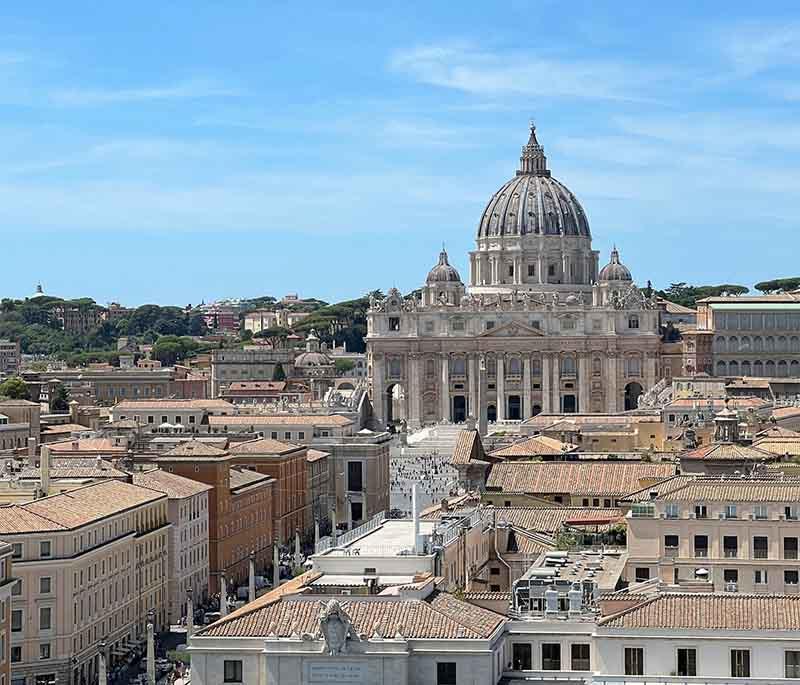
point(755, 47)
point(185, 90)
point(479, 72)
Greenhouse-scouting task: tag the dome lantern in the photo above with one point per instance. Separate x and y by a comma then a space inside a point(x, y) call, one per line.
point(533, 160)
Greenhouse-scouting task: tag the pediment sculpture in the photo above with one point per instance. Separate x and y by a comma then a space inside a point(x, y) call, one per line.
point(335, 626)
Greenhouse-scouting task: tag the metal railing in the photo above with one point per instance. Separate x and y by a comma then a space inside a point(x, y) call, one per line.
point(326, 543)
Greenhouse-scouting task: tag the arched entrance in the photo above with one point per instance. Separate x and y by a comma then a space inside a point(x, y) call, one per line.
point(632, 393)
point(491, 413)
point(395, 402)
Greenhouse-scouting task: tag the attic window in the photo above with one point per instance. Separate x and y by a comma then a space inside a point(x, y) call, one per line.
point(394, 323)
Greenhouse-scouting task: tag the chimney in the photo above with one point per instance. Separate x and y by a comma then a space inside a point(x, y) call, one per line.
point(100, 465)
point(415, 515)
point(44, 466)
point(75, 445)
point(32, 443)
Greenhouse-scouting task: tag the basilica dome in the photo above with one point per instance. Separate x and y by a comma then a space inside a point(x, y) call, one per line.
point(615, 270)
point(443, 272)
point(533, 202)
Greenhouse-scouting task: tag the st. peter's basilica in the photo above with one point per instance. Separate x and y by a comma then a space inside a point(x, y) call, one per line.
point(538, 327)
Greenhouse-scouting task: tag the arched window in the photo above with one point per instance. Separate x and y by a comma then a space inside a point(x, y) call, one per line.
point(458, 366)
point(758, 344)
point(633, 321)
point(722, 369)
point(536, 366)
point(733, 368)
point(794, 344)
point(633, 366)
point(769, 344)
point(782, 344)
point(746, 370)
point(733, 344)
point(719, 344)
point(597, 366)
point(744, 343)
point(514, 366)
point(395, 368)
point(783, 368)
point(758, 368)
point(794, 369)
point(568, 366)
point(769, 368)
point(491, 366)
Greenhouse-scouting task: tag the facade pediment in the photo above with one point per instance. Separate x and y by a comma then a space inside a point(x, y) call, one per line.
point(512, 329)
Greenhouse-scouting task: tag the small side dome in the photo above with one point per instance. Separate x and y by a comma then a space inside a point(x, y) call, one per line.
point(443, 272)
point(615, 270)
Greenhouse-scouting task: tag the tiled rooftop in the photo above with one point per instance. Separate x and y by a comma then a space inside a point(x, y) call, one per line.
point(717, 611)
point(171, 484)
point(599, 479)
point(322, 420)
point(440, 616)
point(263, 446)
point(534, 447)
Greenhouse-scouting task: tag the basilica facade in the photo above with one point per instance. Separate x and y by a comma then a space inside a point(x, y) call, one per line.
point(537, 327)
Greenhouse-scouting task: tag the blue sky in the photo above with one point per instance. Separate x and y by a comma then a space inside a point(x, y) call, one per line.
point(176, 151)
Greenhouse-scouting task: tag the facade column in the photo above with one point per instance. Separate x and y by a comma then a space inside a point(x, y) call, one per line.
point(413, 394)
point(540, 268)
point(472, 370)
point(612, 391)
point(556, 384)
point(547, 377)
point(445, 387)
point(649, 370)
point(378, 392)
point(501, 388)
point(564, 267)
point(583, 383)
point(527, 404)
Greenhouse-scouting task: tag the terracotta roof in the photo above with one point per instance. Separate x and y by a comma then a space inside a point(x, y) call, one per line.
point(87, 445)
point(299, 419)
point(552, 519)
point(263, 446)
point(717, 404)
point(667, 485)
point(17, 403)
point(440, 616)
point(777, 432)
point(775, 489)
point(316, 455)
point(62, 428)
point(675, 308)
point(779, 445)
point(468, 449)
point(786, 412)
point(712, 611)
point(195, 448)
point(728, 451)
point(171, 484)
point(602, 479)
point(534, 447)
point(74, 509)
point(76, 467)
point(240, 478)
point(145, 405)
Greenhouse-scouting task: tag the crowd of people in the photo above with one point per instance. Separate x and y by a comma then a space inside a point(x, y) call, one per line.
point(433, 474)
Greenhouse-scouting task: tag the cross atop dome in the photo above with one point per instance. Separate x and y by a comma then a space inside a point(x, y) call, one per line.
point(533, 161)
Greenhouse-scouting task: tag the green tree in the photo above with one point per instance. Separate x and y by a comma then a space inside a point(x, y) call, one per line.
point(15, 389)
point(780, 285)
point(278, 374)
point(169, 349)
point(60, 398)
point(343, 366)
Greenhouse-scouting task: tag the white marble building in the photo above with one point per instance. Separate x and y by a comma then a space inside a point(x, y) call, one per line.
point(538, 328)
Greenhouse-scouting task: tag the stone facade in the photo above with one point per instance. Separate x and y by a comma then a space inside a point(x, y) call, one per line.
point(538, 329)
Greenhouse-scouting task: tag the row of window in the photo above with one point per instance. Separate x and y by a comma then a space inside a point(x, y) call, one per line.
point(686, 662)
point(782, 368)
point(730, 546)
point(757, 321)
point(745, 343)
point(522, 657)
point(759, 512)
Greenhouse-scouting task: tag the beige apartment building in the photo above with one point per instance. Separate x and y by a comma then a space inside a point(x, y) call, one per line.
point(91, 563)
point(10, 357)
point(739, 534)
point(190, 416)
point(7, 582)
point(187, 511)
